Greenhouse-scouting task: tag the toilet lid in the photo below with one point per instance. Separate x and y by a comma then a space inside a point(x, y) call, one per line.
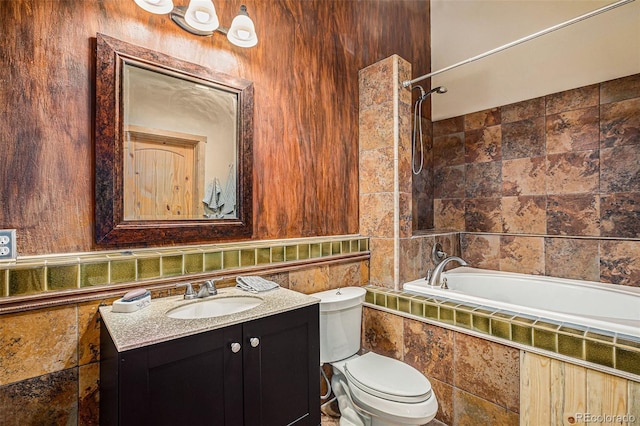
point(387, 378)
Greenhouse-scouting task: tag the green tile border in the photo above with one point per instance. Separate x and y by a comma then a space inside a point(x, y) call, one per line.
point(30, 275)
point(601, 347)
point(117, 271)
point(3, 283)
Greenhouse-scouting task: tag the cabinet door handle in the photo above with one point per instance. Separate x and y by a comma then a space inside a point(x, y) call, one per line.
point(254, 342)
point(235, 347)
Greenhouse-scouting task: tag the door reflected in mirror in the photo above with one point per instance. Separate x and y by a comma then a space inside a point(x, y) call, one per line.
point(180, 147)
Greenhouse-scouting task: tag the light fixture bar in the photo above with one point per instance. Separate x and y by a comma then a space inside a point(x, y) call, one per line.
point(587, 15)
point(200, 18)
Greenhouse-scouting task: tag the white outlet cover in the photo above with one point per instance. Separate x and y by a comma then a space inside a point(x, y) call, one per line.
point(4, 240)
point(4, 250)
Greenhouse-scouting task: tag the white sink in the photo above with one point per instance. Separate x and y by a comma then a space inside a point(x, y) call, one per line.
point(217, 307)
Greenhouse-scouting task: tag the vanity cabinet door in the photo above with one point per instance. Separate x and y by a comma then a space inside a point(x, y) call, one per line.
point(193, 380)
point(281, 369)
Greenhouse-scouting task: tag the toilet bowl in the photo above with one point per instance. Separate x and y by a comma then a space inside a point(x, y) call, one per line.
point(388, 391)
point(371, 389)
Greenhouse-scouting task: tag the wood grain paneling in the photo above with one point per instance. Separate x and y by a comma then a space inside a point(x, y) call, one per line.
point(305, 71)
point(535, 382)
point(606, 395)
point(568, 391)
point(555, 393)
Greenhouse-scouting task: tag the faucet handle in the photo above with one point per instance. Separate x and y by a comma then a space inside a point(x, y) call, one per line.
point(211, 286)
point(437, 254)
point(429, 272)
point(444, 285)
point(188, 292)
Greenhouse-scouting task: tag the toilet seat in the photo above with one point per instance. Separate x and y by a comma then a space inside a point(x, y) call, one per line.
point(387, 378)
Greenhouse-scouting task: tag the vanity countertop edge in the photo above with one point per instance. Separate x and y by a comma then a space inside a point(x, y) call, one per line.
point(151, 325)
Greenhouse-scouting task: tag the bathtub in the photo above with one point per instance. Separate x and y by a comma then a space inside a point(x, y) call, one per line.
point(609, 307)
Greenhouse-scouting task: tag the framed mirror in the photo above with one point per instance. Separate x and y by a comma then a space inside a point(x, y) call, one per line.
point(173, 149)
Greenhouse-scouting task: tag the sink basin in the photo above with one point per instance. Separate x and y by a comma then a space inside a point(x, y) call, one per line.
point(209, 308)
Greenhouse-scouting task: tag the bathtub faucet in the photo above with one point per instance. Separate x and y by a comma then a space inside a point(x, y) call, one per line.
point(435, 276)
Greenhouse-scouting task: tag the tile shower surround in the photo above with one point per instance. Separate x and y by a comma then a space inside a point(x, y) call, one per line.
point(546, 186)
point(516, 182)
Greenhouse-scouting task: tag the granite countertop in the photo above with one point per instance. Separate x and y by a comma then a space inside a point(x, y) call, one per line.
point(151, 325)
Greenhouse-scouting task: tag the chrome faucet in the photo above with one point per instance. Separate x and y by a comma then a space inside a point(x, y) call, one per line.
point(208, 288)
point(435, 277)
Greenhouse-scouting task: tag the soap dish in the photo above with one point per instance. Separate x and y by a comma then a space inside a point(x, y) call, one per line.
point(132, 301)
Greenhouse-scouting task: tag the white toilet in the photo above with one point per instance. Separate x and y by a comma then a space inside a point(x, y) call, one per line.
point(371, 389)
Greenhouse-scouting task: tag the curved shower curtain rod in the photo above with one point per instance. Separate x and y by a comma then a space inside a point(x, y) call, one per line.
point(587, 15)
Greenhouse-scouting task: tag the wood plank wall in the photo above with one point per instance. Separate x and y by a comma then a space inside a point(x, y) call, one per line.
point(305, 70)
point(555, 393)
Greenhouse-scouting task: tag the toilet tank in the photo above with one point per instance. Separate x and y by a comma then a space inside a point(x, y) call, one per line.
point(340, 322)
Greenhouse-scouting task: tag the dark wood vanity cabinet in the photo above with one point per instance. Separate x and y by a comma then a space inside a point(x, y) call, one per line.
point(272, 379)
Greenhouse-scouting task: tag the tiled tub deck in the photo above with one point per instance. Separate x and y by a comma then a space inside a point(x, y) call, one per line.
point(597, 349)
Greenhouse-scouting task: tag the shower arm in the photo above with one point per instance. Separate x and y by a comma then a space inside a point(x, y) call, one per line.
point(587, 15)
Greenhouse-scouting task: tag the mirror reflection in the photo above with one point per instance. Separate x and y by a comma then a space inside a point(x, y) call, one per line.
point(180, 151)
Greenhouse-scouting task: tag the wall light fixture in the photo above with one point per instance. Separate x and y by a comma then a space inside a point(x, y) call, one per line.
point(200, 18)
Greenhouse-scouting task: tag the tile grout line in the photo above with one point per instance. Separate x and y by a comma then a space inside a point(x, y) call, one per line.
point(396, 177)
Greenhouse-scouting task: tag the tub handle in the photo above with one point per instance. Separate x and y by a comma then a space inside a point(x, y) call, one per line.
point(437, 254)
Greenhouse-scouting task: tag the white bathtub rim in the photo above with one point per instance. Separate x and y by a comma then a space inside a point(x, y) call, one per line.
point(617, 288)
point(602, 325)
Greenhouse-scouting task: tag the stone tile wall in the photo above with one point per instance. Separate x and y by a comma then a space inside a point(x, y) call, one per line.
point(481, 382)
point(613, 353)
point(49, 366)
point(385, 165)
point(393, 201)
point(476, 381)
point(546, 186)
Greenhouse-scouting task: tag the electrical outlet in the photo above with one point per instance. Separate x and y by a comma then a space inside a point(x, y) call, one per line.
point(8, 244)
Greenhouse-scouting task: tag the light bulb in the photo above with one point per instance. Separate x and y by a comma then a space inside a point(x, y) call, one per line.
point(156, 6)
point(242, 32)
point(201, 15)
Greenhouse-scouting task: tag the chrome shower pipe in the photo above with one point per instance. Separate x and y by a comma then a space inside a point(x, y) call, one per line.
point(587, 15)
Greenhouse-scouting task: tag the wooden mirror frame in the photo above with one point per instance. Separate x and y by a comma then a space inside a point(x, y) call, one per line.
point(110, 227)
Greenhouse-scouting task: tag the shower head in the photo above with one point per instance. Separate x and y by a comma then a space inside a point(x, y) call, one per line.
point(424, 95)
point(439, 90)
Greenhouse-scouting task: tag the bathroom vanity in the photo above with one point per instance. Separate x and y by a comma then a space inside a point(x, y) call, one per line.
point(256, 367)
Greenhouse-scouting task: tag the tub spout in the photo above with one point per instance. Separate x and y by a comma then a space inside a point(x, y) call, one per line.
point(435, 277)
